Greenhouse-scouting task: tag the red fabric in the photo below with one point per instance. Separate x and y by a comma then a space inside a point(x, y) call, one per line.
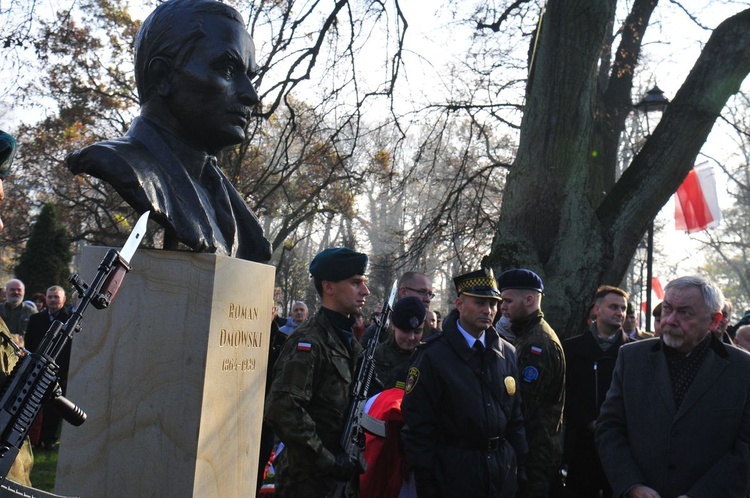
point(692, 212)
point(386, 466)
point(656, 287)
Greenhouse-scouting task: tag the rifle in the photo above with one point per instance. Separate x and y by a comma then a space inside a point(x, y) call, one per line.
point(357, 421)
point(35, 375)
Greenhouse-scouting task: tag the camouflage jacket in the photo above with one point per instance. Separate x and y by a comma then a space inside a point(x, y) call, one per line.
point(307, 403)
point(20, 472)
point(541, 364)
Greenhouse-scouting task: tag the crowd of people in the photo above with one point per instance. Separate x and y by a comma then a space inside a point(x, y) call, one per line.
point(27, 322)
point(473, 406)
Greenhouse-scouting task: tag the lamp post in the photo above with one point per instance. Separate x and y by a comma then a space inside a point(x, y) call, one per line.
point(653, 101)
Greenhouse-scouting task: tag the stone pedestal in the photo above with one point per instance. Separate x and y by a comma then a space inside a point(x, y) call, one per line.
point(172, 377)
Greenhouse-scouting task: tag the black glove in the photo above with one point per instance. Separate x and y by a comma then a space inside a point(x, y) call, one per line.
point(346, 467)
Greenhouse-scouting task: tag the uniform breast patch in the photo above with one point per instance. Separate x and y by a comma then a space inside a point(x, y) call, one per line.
point(530, 374)
point(411, 379)
point(510, 385)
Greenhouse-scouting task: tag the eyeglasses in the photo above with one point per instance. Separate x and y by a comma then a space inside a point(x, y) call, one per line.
point(422, 292)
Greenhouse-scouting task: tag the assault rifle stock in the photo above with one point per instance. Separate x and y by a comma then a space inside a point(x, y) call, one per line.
point(357, 421)
point(35, 375)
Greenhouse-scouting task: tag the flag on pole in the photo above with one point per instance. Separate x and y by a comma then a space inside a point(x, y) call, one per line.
point(657, 289)
point(697, 205)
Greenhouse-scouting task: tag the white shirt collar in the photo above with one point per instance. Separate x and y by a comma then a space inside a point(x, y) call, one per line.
point(470, 339)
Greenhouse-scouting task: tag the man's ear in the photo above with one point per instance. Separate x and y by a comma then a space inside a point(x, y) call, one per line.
point(159, 74)
point(715, 320)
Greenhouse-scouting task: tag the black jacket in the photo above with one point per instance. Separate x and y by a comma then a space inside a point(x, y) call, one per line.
point(464, 427)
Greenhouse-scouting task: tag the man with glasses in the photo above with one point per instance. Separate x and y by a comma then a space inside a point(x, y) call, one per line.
point(676, 420)
point(411, 283)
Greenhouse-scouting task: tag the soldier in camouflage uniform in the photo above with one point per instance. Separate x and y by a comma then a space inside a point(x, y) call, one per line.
point(21, 469)
point(542, 365)
point(394, 356)
point(308, 400)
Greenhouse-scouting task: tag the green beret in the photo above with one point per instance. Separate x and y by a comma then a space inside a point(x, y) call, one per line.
point(338, 263)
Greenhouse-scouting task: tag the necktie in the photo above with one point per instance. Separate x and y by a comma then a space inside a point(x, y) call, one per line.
point(478, 346)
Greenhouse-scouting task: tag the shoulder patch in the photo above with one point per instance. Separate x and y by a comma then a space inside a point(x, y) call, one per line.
point(304, 346)
point(530, 374)
point(537, 350)
point(411, 379)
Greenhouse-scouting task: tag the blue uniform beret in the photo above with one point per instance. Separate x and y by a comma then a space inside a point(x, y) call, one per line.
point(520, 278)
point(338, 263)
point(408, 313)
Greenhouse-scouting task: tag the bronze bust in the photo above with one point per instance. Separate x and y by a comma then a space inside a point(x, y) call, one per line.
point(194, 64)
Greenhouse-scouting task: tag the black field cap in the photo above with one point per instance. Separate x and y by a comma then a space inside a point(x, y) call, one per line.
point(480, 283)
point(408, 313)
point(520, 278)
point(338, 263)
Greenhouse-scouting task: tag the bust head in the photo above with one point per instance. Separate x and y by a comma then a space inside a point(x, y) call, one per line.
point(194, 65)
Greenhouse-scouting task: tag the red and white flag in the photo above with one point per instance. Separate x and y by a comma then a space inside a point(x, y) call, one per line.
point(696, 203)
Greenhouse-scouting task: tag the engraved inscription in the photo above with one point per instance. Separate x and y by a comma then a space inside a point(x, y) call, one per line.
point(240, 339)
point(243, 312)
point(240, 365)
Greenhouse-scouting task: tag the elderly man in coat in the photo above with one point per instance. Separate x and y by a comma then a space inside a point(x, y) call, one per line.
point(676, 420)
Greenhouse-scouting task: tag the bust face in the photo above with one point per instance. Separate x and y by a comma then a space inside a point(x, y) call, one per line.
point(211, 97)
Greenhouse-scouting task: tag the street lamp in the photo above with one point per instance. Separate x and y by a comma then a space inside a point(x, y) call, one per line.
point(653, 101)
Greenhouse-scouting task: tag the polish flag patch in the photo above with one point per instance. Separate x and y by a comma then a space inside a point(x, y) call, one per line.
point(304, 346)
point(536, 350)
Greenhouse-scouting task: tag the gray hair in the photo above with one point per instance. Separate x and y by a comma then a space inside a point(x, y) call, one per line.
point(14, 280)
point(299, 302)
point(712, 295)
point(56, 288)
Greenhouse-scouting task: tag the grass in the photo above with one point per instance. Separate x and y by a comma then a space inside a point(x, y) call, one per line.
point(43, 472)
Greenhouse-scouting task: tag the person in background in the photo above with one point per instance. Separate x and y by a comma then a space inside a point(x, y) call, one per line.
point(742, 337)
point(39, 300)
point(657, 320)
point(590, 361)
point(15, 312)
point(432, 321)
point(411, 283)
point(38, 326)
point(299, 315)
point(394, 356)
point(630, 324)
point(721, 331)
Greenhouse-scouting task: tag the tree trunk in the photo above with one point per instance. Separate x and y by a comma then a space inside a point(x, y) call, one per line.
point(550, 220)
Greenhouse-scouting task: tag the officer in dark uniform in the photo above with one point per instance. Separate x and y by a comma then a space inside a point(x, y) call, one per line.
point(542, 365)
point(311, 390)
point(464, 432)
